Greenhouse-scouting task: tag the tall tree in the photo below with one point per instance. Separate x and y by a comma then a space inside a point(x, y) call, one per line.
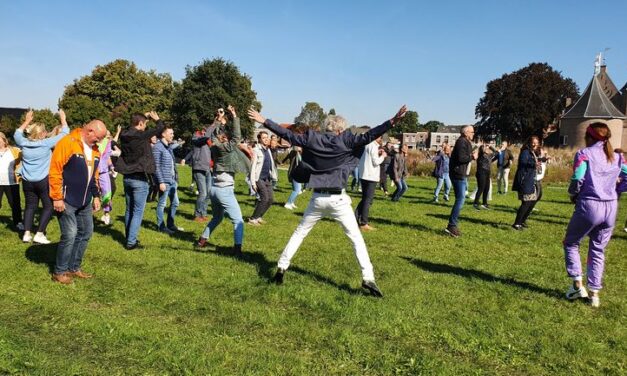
point(311, 116)
point(524, 102)
point(114, 91)
point(332, 111)
point(408, 124)
point(432, 125)
point(208, 86)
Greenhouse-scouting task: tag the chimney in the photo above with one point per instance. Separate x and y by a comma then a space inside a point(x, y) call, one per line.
point(603, 68)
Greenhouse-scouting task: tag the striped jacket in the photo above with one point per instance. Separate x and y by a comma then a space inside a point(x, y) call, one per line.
point(72, 177)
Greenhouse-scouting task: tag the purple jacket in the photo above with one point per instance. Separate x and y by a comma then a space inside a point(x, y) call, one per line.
point(596, 179)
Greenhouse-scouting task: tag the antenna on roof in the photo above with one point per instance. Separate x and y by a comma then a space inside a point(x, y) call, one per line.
point(600, 61)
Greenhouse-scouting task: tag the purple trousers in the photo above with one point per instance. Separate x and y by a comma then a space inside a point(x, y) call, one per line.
point(595, 219)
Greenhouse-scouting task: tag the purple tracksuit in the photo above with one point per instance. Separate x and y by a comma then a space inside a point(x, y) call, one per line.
point(595, 185)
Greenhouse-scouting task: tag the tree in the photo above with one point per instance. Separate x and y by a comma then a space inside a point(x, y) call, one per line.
point(208, 86)
point(524, 102)
point(432, 125)
point(311, 115)
point(8, 125)
point(112, 92)
point(332, 111)
point(408, 124)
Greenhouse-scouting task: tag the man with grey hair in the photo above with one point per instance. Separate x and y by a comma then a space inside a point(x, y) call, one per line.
point(329, 158)
point(460, 158)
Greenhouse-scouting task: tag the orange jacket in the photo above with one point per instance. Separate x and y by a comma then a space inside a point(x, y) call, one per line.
point(70, 179)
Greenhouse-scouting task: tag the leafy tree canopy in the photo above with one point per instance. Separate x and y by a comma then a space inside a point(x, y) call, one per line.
point(208, 86)
point(408, 124)
point(432, 125)
point(112, 92)
point(524, 102)
point(311, 116)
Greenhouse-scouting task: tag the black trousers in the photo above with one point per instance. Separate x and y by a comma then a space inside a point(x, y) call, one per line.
point(13, 197)
point(368, 189)
point(527, 206)
point(483, 187)
point(33, 192)
point(266, 198)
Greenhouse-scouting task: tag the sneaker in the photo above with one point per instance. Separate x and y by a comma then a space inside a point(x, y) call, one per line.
point(20, 227)
point(366, 227)
point(576, 293)
point(453, 231)
point(486, 207)
point(28, 237)
point(289, 206)
point(106, 219)
point(130, 247)
point(477, 207)
point(261, 221)
point(237, 250)
point(201, 242)
point(253, 222)
point(372, 287)
point(446, 198)
point(176, 228)
point(435, 200)
point(517, 227)
point(595, 301)
point(278, 276)
point(166, 230)
point(40, 238)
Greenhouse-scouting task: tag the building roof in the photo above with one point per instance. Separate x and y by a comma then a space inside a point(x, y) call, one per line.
point(594, 102)
point(14, 112)
point(450, 129)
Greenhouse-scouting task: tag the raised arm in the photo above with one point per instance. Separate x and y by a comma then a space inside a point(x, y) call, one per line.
point(374, 133)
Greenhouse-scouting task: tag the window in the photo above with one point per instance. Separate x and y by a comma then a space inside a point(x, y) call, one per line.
point(438, 139)
point(564, 140)
point(446, 139)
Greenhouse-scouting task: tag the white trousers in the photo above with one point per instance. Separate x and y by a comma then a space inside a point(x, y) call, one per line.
point(338, 207)
point(502, 178)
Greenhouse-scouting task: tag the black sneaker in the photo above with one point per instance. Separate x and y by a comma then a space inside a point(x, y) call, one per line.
point(278, 276)
point(372, 287)
point(130, 247)
point(476, 206)
point(517, 227)
point(486, 206)
point(166, 230)
point(237, 250)
point(453, 231)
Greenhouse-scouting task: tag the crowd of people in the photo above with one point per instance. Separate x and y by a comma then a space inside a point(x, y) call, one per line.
point(73, 173)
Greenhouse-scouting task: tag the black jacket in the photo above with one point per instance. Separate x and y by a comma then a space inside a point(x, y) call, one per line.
point(461, 156)
point(136, 155)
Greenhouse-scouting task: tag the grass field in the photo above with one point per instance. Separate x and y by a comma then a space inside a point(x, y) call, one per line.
point(487, 303)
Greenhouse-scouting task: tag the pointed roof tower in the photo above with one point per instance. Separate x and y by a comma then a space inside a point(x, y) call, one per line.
point(594, 102)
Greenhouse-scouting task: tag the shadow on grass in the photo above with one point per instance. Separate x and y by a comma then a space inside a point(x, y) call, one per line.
point(43, 254)
point(266, 267)
point(410, 225)
point(476, 274)
point(501, 225)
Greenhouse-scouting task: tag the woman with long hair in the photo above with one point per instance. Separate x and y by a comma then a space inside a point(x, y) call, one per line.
point(10, 159)
point(36, 155)
point(599, 175)
point(526, 183)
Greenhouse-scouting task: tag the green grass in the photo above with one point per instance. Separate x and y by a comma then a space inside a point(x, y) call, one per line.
point(487, 303)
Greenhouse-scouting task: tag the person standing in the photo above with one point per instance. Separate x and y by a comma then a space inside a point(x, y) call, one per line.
point(105, 167)
point(461, 157)
point(399, 172)
point(383, 170)
point(10, 160)
point(328, 159)
point(201, 171)
point(504, 163)
point(73, 185)
point(294, 156)
point(441, 172)
point(486, 155)
point(36, 153)
point(136, 164)
point(599, 175)
point(262, 174)
point(369, 169)
point(228, 160)
point(525, 182)
point(166, 178)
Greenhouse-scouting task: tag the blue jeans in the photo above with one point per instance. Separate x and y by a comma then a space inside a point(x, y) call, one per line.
point(295, 191)
point(223, 202)
point(447, 186)
point(203, 182)
point(169, 193)
point(459, 187)
point(77, 226)
point(401, 188)
point(136, 193)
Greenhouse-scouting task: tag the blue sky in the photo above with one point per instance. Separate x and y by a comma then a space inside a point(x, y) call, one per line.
point(364, 58)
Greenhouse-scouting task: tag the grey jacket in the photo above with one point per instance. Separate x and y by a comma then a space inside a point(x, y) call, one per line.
point(201, 152)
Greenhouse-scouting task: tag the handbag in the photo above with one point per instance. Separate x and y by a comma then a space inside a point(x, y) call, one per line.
point(301, 173)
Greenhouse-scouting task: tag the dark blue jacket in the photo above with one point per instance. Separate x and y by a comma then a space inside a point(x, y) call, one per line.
point(165, 166)
point(525, 179)
point(441, 164)
point(332, 157)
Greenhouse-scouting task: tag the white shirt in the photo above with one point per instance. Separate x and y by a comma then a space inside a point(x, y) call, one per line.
point(7, 168)
point(369, 163)
point(88, 157)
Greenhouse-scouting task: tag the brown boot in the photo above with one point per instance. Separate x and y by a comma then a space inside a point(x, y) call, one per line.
point(81, 274)
point(63, 278)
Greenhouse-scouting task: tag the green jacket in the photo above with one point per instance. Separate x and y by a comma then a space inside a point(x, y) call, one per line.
point(227, 157)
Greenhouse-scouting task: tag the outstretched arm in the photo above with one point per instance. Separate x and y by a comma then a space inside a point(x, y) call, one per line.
point(372, 134)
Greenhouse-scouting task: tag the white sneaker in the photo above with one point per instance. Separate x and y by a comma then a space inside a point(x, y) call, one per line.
point(595, 301)
point(28, 237)
point(289, 206)
point(106, 219)
point(576, 293)
point(20, 227)
point(40, 238)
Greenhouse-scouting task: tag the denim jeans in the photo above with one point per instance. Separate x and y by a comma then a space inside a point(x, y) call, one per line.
point(203, 182)
point(223, 202)
point(446, 181)
point(296, 188)
point(401, 188)
point(459, 187)
point(136, 193)
point(171, 194)
point(77, 226)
